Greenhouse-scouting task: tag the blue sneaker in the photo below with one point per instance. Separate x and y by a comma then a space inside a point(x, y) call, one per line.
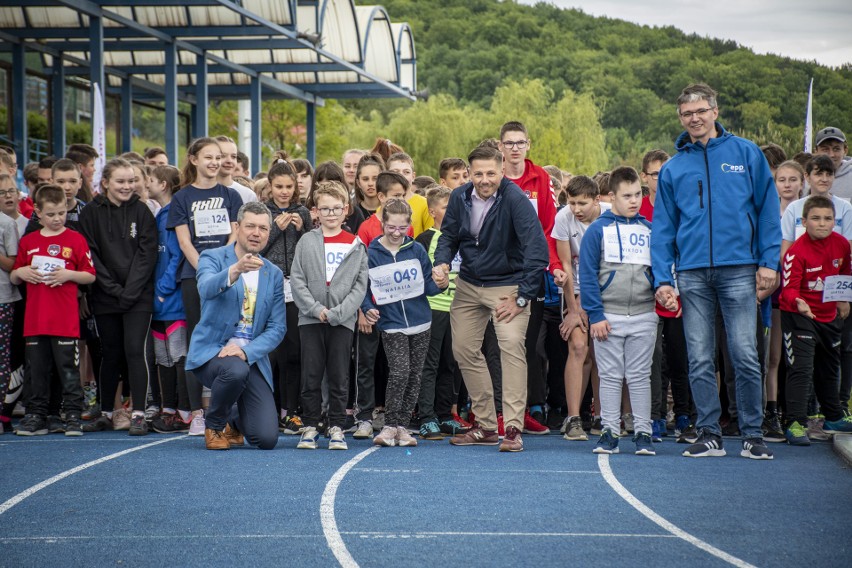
point(843, 425)
point(681, 424)
point(644, 445)
point(608, 443)
point(656, 436)
point(663, 428)
point(431, 431)
point(797, 435)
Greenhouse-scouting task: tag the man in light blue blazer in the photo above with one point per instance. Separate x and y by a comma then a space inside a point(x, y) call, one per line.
point(243, 319)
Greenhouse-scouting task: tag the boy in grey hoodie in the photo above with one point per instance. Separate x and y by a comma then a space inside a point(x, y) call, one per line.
point(328, 279)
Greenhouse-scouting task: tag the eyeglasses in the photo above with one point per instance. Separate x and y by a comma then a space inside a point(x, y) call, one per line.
point(338, 210)
point(8, 192)
point(400, 229)
point(652, 175)
point(700, 112)
point(519, 144)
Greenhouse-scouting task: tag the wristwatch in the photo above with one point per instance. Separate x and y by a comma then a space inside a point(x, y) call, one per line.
point(521, 302)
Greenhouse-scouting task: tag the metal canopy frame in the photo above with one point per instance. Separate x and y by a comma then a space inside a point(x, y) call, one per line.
point(201, 50)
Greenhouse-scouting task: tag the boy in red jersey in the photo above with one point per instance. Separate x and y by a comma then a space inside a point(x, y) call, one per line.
point(811, 323)
point(53, 262)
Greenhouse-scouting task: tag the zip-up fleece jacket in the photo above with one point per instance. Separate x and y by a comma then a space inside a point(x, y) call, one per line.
point(282, 244)
point(123, 240)
point(613, 287)
point(510, 250)
point(403, 314)
point(842, 186)
point(166, 284)
point(716, 206)
point(342, 296)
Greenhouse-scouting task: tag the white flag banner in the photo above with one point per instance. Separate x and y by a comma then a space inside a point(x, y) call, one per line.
point(98, 135)
point(809, 120)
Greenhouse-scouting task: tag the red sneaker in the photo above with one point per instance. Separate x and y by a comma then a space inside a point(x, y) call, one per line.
point(501, 431)
point(513, 441)
point(464, 423)
point(533, 426)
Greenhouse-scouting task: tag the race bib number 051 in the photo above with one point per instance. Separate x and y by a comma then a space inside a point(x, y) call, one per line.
point(837, 289)
point(634, 246)
point(398, 281)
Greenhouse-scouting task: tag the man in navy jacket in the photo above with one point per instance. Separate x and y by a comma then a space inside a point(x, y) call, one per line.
point(717, 221)
point(493, 226)
point(242, 320)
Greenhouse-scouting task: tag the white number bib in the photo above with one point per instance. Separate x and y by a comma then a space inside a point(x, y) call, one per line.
point(47, 264)
point(398, 281)
point(212, 222)
point(635, 244)
point(837, 289)
point(334, 255)
point(288, 290)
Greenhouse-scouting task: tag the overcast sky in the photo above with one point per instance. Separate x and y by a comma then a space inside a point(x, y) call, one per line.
point(818, 30)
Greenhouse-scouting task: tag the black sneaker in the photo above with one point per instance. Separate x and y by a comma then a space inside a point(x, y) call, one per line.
point(755, 449)
point(707, 445)
point(55, 425)
point(731, 429)
point(597, 428)
point(32, 425)
point(538, 416)
point(555, 419)
point(103, 422)
point(772, 431)
point(138, 426)
point(72, 425)
point(688, 435)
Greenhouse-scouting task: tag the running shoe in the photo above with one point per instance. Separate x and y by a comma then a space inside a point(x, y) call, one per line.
point(772, 431)
point(464, 423)
point(607, 444)
point(816, 429)
point(121, 419)
point(32, 425)
point(364, 431)
point(138, 426)
point(378, 420)
point(663, 427)
point(198, 425)
point(797, 435)
point(656, 437)
point(291, 425)
point(387, 437)
point(93, 412)
point(451, 427)
point(55, 425)
point(512, 442)
point(597, 427)
point(574, 430)
point(644, 444)
point(431, 430)
point(533, 426)
point(337, 440)
point(168, 424)
point(538, 416)
point(555, 420)
point(476, 436)
point(103, 422)
point(707, 445)
point(689, 435)
point(755, 449)
point(308, 441)
point(72, 425)
point(681, 424)
point(843, 425)
point(627, 419)
point(404, 437)
point(731, 429)
point(151, 412)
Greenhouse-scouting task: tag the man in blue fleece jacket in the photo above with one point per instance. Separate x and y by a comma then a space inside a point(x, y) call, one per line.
point(717, 221)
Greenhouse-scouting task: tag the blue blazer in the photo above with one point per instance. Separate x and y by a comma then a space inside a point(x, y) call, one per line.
point(221, 306)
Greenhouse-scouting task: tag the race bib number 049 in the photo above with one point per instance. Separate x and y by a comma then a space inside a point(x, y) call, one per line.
point(633, 246)
point(398, 281)
point(837, 289)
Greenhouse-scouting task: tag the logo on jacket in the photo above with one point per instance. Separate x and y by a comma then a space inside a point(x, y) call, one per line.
point(837, 262)
point(212, 203)
point(133, 230)
point(732, 169)
point(53, 250)
point(66, 252)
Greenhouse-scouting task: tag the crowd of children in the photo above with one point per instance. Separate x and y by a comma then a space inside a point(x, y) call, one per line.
point(98, 287)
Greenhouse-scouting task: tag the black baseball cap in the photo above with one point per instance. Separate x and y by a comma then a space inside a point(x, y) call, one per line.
point(830, 133)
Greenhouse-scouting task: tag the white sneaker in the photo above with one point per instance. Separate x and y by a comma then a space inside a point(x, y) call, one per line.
point(308, 441)
point(197, 426)
point(337, 439)
point(364, 431)
point(387, 437)
point(404, 437)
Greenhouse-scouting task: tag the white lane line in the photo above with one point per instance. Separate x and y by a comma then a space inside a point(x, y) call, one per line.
point(609, 476)
point(60, 476)
point(503, 534)
point(467, 473)
point(329, 523)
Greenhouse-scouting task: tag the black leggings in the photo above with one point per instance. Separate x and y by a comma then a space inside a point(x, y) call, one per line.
point(124, 338)
point(192, 307)
point(286, 360)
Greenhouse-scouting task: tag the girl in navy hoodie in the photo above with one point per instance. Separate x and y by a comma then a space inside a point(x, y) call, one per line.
point(400, 278)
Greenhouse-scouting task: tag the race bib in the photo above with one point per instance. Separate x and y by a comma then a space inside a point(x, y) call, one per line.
point(634, 246)
point(288, 290)
point(212, 222)
point(837, 289)
point(334, 255)
point(398, 281)
point(47, 264)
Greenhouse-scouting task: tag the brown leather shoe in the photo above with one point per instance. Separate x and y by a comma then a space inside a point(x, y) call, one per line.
point(512, 442)
point(216, 440)
point(476, 436)
point(234, 436)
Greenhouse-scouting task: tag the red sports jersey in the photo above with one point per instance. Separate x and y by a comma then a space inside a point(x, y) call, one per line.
point(372, 228)
point(805, 267)
point(537, 186)
point(647, 209)
point(53, 311)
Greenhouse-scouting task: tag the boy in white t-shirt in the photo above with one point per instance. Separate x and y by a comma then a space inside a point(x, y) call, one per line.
point(584, 206)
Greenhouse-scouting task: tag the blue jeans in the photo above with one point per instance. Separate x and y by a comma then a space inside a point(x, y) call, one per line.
point(732, 289)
